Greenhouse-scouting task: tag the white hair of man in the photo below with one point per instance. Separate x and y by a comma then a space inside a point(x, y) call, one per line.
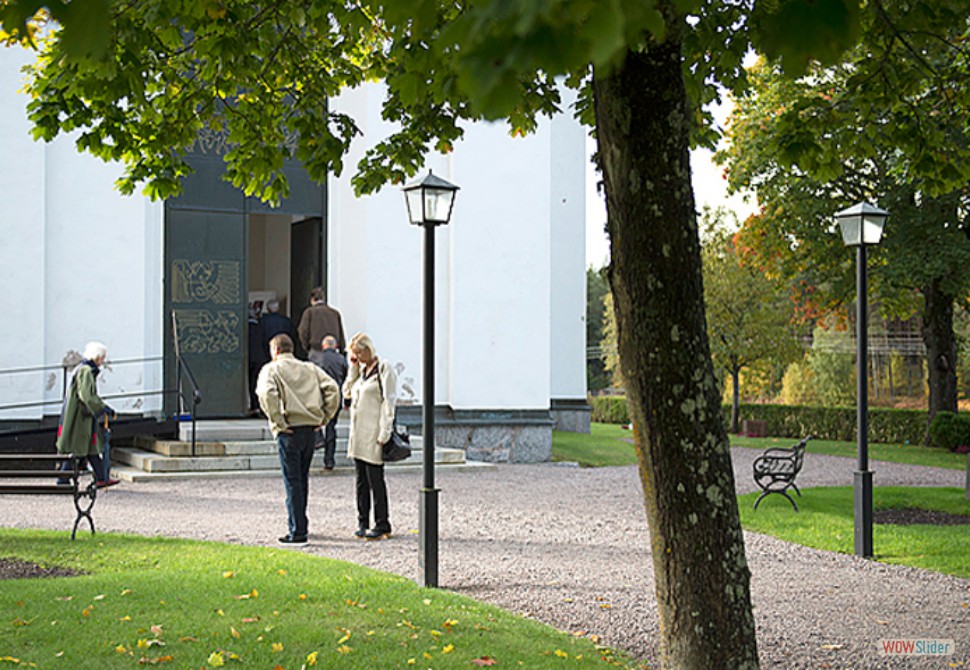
point(94, 350)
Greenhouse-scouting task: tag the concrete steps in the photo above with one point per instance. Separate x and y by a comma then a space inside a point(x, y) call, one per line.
point(244, 448)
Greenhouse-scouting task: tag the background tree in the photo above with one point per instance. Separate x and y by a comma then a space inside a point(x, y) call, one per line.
point(597, 287)
point(888, 125)
point(645, 69)
point(748, 317)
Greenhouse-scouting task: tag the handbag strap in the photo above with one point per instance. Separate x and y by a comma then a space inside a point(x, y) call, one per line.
point(380, 365)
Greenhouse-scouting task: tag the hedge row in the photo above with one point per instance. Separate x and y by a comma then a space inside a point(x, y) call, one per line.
point(825, 423)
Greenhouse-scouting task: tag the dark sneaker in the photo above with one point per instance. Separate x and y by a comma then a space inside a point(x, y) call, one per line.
point(361, 532)
point(289, 539)
point(375, 534)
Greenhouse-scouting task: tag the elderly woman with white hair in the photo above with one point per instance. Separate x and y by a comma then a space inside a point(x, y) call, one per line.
point(77, 431)
point(371, 387)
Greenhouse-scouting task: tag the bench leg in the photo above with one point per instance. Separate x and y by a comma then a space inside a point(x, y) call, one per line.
point(84, 511)
point(781, 493)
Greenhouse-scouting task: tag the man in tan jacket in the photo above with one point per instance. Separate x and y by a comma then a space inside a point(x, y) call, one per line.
point(297, 398)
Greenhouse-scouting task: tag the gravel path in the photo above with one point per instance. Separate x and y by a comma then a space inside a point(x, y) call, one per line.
point(569, 546)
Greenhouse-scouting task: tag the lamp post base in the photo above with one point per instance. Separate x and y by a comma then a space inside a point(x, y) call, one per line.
point(862, 482)
point(428, 528)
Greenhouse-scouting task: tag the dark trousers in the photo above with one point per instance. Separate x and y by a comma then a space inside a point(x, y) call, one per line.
point(327, 440)
point(97, 464)
point(370, 483)
point(253, 376)
point(296, 453)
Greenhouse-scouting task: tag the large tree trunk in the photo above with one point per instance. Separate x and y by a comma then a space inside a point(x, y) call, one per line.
point(941, 349)
point(701, 574)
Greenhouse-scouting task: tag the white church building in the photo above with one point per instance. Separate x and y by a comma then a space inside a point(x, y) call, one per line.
point(80, 262)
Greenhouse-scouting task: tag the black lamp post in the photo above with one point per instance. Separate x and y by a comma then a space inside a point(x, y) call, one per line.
point(429, 202)
point(862, 226)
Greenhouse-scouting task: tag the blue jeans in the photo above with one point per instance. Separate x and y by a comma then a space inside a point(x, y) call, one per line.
point(296, 453)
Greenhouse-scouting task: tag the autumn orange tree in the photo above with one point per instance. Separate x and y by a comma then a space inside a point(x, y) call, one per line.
point(887, 125)
point(644, 68)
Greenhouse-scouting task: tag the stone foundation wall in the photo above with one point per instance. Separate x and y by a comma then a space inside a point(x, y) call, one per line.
point(492, 436)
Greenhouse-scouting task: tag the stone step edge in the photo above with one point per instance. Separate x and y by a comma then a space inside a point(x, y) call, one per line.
point(132, 475)
point(148, 461)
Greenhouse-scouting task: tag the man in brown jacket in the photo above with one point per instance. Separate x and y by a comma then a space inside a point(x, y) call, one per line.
point(297, 398)
point(318, 321)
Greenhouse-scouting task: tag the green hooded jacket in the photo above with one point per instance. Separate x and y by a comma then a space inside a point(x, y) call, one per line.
point(77, 433)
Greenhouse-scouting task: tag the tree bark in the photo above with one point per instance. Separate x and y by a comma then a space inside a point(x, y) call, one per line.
point(700, 570)
point(941, 349)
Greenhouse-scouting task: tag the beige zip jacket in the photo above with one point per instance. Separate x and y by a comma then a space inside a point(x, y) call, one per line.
point(371, 414)
point(296, 393)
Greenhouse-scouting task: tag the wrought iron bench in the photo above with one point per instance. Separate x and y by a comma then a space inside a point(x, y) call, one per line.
point(82, 484)
point(775, 471)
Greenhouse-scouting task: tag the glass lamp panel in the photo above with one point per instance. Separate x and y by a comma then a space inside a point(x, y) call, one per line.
point(851, 230)
point(415, 203)
point(437, 204)
point(872, 229)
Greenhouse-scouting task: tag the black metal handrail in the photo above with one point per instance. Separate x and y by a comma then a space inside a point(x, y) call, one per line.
point(180, 365)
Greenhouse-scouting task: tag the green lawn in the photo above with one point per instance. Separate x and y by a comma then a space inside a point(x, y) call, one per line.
point(610, 444)
point(825, 521)
point(184, 604)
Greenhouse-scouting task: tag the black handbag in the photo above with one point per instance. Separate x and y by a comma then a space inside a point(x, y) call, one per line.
point(398, 447)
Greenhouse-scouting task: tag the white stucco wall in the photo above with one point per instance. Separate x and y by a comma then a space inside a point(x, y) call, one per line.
point(79, 262)
point(500, 324)
point(567, 209)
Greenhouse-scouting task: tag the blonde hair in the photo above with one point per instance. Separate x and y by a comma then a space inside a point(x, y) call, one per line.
point(362, 341)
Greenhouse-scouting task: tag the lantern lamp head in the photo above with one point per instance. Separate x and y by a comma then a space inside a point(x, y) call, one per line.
point(862, 224)
point(430, 200)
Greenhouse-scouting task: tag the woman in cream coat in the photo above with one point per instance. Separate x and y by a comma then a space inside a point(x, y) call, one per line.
point(371, 387)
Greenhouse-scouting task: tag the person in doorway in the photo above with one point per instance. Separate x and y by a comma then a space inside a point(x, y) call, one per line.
point(371, 386)
point(274, 323)
point(297, 398)
point(318, 321)
point(334, 364)
point(257, 353)
point(77, 431)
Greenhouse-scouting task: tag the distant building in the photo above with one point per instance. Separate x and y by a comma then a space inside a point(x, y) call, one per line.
point(79, 262)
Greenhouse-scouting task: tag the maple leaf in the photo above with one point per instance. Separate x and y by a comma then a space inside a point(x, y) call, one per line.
point(277, 647)
point(484, 660)
point(216, 659)
point(311, 658)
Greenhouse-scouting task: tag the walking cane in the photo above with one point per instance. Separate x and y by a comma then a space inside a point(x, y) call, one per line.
point(107, 450)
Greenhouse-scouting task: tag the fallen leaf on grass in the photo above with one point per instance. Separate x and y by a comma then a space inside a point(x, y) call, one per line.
point(246, 596)
point(311, 658)
point(235, 633)
point(484, 660)
point(277, 647)
point(344, 649)
point(155, 661)
point(447, 649)
point(229, 574)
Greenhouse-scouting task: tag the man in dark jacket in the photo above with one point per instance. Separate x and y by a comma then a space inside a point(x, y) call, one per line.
point(334, 364)
point(274, 323)
point(318, 321)
point(257, 353)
